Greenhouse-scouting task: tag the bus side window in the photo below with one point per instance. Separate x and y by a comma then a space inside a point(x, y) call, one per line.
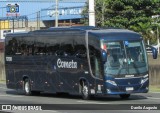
point(12, 47)
point(95, 61)
point(59, 53)
point(68, 50)
point(80, 51)
point(65, 54)
point(52, 49)
point(81, 54)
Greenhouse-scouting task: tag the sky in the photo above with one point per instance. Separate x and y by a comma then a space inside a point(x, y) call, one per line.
point(31, 7)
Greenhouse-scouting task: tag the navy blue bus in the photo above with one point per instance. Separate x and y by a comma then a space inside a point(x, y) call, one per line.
point(77, 60)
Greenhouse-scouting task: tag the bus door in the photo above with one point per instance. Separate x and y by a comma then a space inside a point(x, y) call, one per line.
point(97, 69)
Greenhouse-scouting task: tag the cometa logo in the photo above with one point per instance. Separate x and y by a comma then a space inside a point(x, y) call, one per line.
point(66, 64)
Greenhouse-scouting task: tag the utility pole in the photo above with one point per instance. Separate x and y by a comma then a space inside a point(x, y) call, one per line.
point(13, 25)
point(158, 39)
point(91, 13)
point(56, 14)
point(158, 43)
point(0, 29)
point(38, 20)
point(103, 11)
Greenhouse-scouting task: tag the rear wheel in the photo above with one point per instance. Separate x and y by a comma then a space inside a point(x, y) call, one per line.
point(124, 96)
point(27, 87)
point(85, 91)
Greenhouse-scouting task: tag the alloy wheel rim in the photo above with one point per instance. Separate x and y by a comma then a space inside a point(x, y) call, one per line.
point(85, 90)
point(27, 87)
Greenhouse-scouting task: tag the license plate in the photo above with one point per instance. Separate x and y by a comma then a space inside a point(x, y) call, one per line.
point(129, 88)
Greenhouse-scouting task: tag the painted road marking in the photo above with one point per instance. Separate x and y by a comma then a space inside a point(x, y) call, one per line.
point(28, 111)
point(89, 102)
point(152, 98)
point(52, 111)
point(10, 96)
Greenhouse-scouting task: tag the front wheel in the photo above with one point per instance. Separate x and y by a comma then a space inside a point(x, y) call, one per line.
point(85, 91)
point(124, 96)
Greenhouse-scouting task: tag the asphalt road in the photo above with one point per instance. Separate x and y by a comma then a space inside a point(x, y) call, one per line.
point(74, 104)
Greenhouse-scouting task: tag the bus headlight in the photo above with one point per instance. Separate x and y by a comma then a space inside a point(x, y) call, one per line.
point(111, 82)
point(145, 76)
point(144, 79)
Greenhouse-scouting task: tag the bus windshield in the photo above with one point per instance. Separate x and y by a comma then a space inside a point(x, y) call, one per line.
point(125, 57)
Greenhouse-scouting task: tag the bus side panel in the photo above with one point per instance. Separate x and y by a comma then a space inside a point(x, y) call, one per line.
point(69, 78)
point(51, 75)
point(10, 79)
point(45, 77)
point(39, 70)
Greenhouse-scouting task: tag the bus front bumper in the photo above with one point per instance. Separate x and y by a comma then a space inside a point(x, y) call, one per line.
point(114, 88)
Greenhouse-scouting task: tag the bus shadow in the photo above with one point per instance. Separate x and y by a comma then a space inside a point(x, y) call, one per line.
point(117, 98)
point(68, 96)
point(94, 98)
point(60, 95)
point(15, 92)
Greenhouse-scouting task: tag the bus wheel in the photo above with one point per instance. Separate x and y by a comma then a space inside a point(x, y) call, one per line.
point(85, 91)
point(124, 96)
point(27, 87)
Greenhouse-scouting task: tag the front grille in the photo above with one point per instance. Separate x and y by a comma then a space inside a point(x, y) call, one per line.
point(128, 81)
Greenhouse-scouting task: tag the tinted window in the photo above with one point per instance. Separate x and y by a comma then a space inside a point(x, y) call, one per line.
point(95, 61)
point(80, 51)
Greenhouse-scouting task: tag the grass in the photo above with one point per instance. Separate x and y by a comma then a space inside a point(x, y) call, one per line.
point(154, 88)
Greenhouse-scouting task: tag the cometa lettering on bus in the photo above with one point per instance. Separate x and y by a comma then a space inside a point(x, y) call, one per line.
point(66, 64)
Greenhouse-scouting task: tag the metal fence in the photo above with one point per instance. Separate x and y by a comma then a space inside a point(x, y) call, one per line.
point(154, 70)
point(2, 67)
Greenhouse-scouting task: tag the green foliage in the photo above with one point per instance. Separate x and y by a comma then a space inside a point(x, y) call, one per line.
point(130, 14)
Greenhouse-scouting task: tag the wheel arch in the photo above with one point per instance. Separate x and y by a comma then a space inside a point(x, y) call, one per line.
point(24, 78)
point(82, 79)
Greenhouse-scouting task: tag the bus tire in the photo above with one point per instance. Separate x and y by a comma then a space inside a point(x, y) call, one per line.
point(85, 91)
point(124, 96)
point(27, 87)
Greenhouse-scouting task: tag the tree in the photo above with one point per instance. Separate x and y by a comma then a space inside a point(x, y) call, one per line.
point(129, 14)
point(84, 14)
point(144, 29)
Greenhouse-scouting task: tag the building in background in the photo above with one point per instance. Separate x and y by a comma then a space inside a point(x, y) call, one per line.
point(26, 15)
point(40, 13)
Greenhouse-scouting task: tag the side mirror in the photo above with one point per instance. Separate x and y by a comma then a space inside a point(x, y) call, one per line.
point(104, 55)
point(154, 51)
